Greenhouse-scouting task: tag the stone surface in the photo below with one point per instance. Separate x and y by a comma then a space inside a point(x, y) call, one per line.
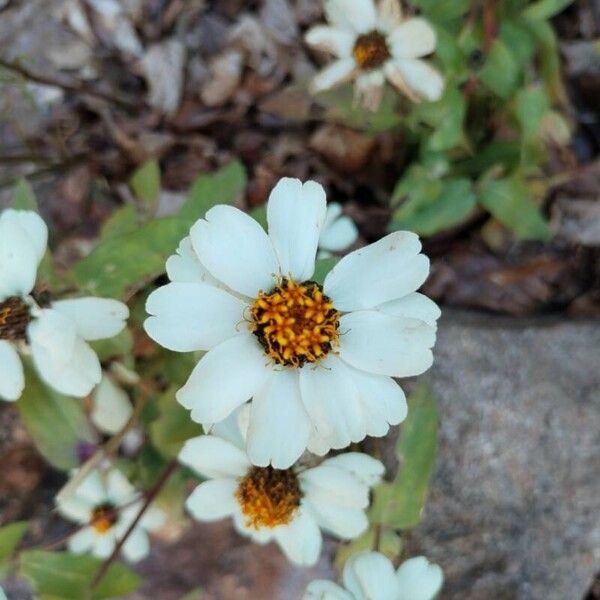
point(514, 504)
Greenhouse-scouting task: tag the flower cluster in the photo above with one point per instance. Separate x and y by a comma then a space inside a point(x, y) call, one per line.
point(374, 43)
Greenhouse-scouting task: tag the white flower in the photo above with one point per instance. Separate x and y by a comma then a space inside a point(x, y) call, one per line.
point(317, 360)
point(373, 44)
point(112, 408)
point(371, 576)
point(288, 506)
point(106, 504)
point(54, 335)
point(338, 233)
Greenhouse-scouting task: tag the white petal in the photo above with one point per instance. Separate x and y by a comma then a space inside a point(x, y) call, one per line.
point(235, 249)
point(233, 428)
point(416, 78)
point(74, 508)
point(213, 500)
point(418, 579)
point(104, 545)
point(332, 402)
point(338, 234)
point(369, 88)
point(345, 522)
point(382, 399)
point(412, 39)
point(12, 379)
point(137, 545)
point(336, 41)
point(300, 539)
point(336, 487)
point(226, 377)
point(76, 377)
point(112, 407)
point(363, 467)
point(193, 316)
point(22, 235)
point(296, 213)
point(389, 15)
point(185, 266)
point(94, 318)
point(383, 271)
point(119, 489)
point(82, 541)
point(333, 74)
point(214, 457)
point(386, 345)
point(279, 426)
point(357, 15)
point(325, 590)
point(55, 333)
point(92, 489)
point(258, 536)
point(153, 519)
point(370, 576)
point(414, 306)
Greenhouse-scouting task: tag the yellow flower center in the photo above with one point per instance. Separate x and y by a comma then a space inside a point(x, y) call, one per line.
point(371, 50)
point(14, 318)
point(103, 518)
point(268, 497)
point(296, 323)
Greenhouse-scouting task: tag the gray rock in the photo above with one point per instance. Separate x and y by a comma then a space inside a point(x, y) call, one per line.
point(514, 507)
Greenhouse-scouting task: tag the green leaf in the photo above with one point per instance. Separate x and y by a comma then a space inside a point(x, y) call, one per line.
point(501, 70)
point(10, 537)
point(519, 39)
point(145, 183)
point(128, 262)
point(24, 197)
point(508, 201)
point(70, 576)
point(56, 422)
point(390, 544)
point(399, 504)
point(546, 9)
point(118, 346)
point(222, 187)
point(531, 104)
point(502, 154)
point(434, 205)
point(173, 426)
point(322, 268)
point(121, 221)
point(260, 214)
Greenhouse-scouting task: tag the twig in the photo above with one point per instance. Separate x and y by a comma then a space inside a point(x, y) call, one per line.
point(150, 496)
point(489, 24)
point(81, 87)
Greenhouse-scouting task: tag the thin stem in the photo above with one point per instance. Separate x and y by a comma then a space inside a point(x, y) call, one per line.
point(489, 24)
point(150, 496)
point(80, 87)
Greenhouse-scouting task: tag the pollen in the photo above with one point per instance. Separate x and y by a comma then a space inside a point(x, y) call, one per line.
point(296, 323)
point(268, 497)
point(14, 318)
point(103, 518)
point(371, 50)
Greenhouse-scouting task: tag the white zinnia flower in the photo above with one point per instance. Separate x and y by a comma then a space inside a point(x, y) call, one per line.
point(54, 335)
point(338, 233)
point(317, 360)
point(373, 43)
point(371, 576)
point(288, 506)
point(106, 504)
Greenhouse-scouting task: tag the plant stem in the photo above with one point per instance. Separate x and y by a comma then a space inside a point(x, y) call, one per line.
point(150, 496)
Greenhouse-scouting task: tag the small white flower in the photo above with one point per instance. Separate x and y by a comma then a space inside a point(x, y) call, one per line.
point(373, 43)
point(317, 360)
point(55, 335)
point(111, 406)
point(106, 504)
point(371, 576)
point(289, 506)
point(339, 231)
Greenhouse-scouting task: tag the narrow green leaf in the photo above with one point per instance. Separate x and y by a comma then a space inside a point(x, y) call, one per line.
point(546, 9)
point(56, 422)
point(173, 426)
point(508, 200)
point(145, 183)
point(531, 104)
point(501, 70)
point(24, 197)
point(222, 187)
point(10, 537)
point(399, 504)
point(69, 576)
